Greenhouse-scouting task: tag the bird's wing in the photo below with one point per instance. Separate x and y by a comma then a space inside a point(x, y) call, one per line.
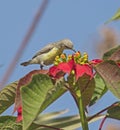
point(44, 50)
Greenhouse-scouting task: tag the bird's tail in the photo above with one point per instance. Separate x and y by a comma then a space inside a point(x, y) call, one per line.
point(25, 63)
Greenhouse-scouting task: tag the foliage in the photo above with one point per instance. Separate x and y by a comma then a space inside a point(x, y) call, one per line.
point(87, 81)
point(99, 91)
point(9, 123)
point(114, 112)
point(115, 17)
point(7, 96)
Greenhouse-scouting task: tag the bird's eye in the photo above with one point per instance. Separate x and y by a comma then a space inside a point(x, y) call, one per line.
point(66, 46)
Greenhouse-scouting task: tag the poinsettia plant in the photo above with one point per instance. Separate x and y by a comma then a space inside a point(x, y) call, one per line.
point(86, 80)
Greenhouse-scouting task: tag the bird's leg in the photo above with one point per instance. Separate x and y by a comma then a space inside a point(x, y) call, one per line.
point(74, 50)
point(42, 65)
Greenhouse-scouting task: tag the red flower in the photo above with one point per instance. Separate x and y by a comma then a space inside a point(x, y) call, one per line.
point(79, 64)
point(19, 114)
point(68, 67)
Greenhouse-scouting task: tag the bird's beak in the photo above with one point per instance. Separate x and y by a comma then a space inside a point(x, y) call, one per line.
point(74, 50)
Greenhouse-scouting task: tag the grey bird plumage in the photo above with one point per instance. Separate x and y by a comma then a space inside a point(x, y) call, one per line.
point(46, 55)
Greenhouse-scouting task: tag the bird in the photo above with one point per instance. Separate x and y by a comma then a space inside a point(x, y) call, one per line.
point(46, 55)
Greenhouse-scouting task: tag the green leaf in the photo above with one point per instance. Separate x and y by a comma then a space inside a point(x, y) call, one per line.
point(7, 96)
point(42, 118)
point(66, 123)
point(54, 94)
point(22, 82)
point(100, 90)
point(114, 112)
point(69, 122)
point(115, 17)
point(33, 96)
point(37, 95)
point(9, 123)
point(110, 72)
point(86, 86)
point(112, 54)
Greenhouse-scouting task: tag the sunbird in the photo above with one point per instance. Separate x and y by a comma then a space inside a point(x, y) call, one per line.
point(46, 55)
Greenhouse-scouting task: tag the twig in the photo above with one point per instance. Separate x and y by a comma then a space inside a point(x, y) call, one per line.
point(24, 43)
point(113, 105)
point(101, 125)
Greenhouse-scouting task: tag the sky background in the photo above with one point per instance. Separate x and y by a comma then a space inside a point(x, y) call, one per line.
point(78, 20)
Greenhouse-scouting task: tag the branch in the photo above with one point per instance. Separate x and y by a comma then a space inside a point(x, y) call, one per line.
point(24, 43)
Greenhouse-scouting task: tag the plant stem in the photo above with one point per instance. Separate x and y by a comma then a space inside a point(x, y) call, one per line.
point(83, 118)
point(101, 125)
point(24, 42)
point(79, 102)
point(95, 115)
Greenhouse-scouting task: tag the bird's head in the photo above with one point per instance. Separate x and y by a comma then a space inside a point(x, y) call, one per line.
point(67, 44)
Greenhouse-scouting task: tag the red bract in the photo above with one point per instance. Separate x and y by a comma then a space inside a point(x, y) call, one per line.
point(96, 61)
point(55, 72)
point(118, 64)
point(19, 114)
point(80, 70)
point(61, 69)
point(67, 67)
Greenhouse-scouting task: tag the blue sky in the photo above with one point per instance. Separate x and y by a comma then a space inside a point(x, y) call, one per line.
point(78, 20)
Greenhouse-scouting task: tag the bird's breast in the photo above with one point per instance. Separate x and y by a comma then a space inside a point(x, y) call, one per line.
point(49, 57)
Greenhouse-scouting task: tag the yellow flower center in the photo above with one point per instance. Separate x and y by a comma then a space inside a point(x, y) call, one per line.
point(78, 58)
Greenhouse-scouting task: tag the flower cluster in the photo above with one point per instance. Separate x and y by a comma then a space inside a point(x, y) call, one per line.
point(76, 63)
